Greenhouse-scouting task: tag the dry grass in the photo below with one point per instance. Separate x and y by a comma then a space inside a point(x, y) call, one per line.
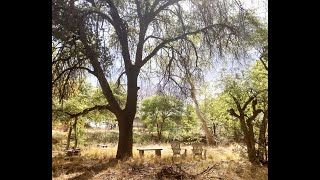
point(99, 163)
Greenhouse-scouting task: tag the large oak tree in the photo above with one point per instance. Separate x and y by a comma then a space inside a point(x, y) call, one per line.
point(106, 37)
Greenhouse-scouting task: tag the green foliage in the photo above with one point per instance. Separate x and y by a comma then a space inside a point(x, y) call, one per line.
point(144, 138)
point(86, 97)
point(241, 85)
point(227, 127)
point(161, 112)
point(189, 119)
point(188, 128)
point(100, 136)
point(97, 98)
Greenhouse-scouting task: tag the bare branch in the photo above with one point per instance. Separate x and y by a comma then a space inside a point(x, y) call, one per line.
point(195, 50)
point(118, 80)
point(263, 63)
point(86, 111)
point(247, 102)
point(180, 18)
point(62, 94)
point(151, 36)
point(163, 43)
point(101, 14)
point(154, 5)
point(255, 114)
point(122, 32)
point(138, 9)
point(181, 88)
point(157, 11)
point(237, 102)
point(233, 113)
point(73, 68)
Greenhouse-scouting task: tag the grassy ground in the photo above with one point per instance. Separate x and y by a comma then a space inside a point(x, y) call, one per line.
point(99, 163)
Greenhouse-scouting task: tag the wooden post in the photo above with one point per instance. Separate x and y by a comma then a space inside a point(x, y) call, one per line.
point(141, 153)
point(158, 152)
point(185, 153)
point(205, 154)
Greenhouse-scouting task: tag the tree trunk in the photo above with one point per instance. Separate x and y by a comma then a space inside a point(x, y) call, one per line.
point(159, 136)
point(247, 127)
point(214, 130)
point(248, 135)
point(69, 136)
point(75, 132)
point(125, 137)
point(236, 137)
point(262, 149)
point(158, 132)
point(210, 140)
point(252, 152)
point(125, 119)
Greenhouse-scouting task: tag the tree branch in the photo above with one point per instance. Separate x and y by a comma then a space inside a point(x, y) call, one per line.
point(247, 102)
point(233, 113)
point(73, 68)
point(262, 56)
point(163, 43)
point(254, 110)
point(151, 36)
point(86, 111)
point(237, 102)
point(104, 16)
point(152, 15)
point(154, 5)
point(106, 89)
point(121, 31)
point(255, 114)
point(138, 9)
point(118, 80)
point(181, 88)
point(143, 28)
point(263, 63)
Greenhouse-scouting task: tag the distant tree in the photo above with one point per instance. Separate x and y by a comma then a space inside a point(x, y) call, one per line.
point(247, 103)
point(86, 103)
point(189, 124)
point(161, 113)
point(259, 75)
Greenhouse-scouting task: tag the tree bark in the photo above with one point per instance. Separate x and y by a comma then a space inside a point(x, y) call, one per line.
point(125, 119)
point(247, 127)
point(248, 140)
point(159, 135)
point(210, 140)
point(73, 127)
point(69, 136)
point(75, 132)
point(252, 152)
point(125, 137)
point(262, 149)
point(158, 132)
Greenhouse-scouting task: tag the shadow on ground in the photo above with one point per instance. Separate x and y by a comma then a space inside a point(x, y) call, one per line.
point(88, 167)
point(96, 169)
